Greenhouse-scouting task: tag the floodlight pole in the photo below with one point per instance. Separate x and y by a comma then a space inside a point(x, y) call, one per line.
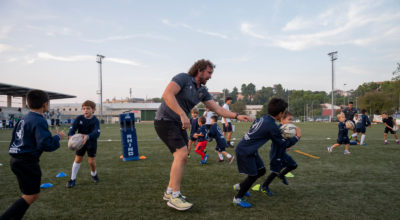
point(333, 56)
point(100, 92)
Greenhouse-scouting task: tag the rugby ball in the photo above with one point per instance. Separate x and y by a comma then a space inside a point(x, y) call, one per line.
point(395, 128)
point(350, 125)
point(288, 130)
point(75, 142)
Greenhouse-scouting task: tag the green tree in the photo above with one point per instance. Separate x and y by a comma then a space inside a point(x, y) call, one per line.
point(376, 102)
point(238, 107)
point(234, 94)
point(396, 73)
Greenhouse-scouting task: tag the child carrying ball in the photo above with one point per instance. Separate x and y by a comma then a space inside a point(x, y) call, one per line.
point(216, 133)
point(343, 137)
point(362, 124)
point(389, 123)
point(87, 125)
point(201, 136)
point(281, 163)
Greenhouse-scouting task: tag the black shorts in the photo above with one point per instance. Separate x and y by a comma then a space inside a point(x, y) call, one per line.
point(387, 130)
point(28, 174)
point(57, 122)
point(52, 122)
point(91, 151)
point(227, 129)
point(360, 130)
point(343, 140)
point(249, 164)
point(171, 133)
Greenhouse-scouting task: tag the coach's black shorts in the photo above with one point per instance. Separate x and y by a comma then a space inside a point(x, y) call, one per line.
point(249, 164)
point(171, 133)
point(227, 129)
point(91, 151)
point(387, 130)
point(28, 174)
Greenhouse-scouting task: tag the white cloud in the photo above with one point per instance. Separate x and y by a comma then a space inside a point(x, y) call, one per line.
point(128, 37)
point(4, 47)
point(79, 58)
point(53, 31)
point(4, 31)
point(336, 26)
point(210, 33)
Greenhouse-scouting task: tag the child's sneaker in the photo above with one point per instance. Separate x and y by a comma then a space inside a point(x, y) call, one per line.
point(179, 203)
point(266, 190)
point(347, 152)
point(231, 159)
point(219, 160)
point(237, 188)
point(188, 156)
point(397, 142)
point(284, 179)
point(70, 183)
point(241, 202)
point(203, 162)
point(386, 142)
point(330, 149)
point(95, 179)
point(364, 144)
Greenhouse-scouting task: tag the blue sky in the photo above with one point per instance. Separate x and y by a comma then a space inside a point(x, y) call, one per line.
point(52, 45)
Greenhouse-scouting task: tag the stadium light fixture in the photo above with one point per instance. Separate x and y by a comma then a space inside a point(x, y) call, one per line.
point(333, 56)
point(100, 92)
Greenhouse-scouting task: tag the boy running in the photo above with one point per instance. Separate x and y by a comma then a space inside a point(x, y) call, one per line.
point(201, 136)
point(215, 132)
point(389, 123)
point(262, 130)
point(30, 137)
point(362, 124)
point(89, 127)
point(279, 160)
point(343, 137)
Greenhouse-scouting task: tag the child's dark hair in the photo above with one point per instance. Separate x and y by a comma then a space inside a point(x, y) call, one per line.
point(195, 110)
point(215, 118)
point(89, 103)
point(286, 114)
point(202, 120)
point(276, 106)
point(228, 98)
point(36, 98)
point(351, 102)
point(363, 111)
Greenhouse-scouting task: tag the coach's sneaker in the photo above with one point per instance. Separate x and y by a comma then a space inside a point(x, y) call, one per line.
point(266, 190)
point(167, 196)
point(95, 179)
point(346, 152)
point(241, 202)
point(237, 188)
point(330, 149)
point(179, 203)
point(70, 183)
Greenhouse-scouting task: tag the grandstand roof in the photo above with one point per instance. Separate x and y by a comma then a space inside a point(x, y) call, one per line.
point(19, 91)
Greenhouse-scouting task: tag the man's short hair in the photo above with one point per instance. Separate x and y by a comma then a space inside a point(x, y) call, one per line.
point(36, 98)
point(202, 120)
point(89, 103)
point(228, 98)
point(276, 106)
point(215, 118)
point(351, 103)
point(200, 65)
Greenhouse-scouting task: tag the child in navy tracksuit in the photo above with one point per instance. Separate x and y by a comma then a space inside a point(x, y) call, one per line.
point(194, 127)
point(279, 160)
point(30, 137)
point(216, 133)
point(361, 125)
point(201, 136)
point(390, 124)
point(262, 130)
point(89, 127)
point(343, 137)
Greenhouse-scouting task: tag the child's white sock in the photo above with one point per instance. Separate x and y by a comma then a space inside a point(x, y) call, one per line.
point(229, 156)
point(362, 139)
point(93, 173)
point(75, 169)
point(176, 194)
point(169, 190)
point(221, 157)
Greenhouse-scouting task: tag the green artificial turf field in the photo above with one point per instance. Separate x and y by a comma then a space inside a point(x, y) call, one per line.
point(363, 185)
